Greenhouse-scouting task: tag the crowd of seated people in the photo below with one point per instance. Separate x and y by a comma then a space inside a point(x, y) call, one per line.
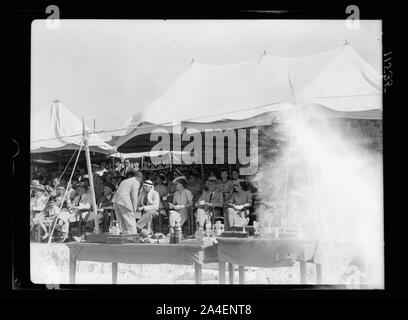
point(175, 196)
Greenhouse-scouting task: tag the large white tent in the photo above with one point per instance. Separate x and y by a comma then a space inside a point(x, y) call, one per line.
point(55, 128)
point(336, 83)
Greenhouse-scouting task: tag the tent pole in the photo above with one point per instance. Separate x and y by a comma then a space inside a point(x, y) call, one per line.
point(202, 171)
point(90, 175)
point(60, 162)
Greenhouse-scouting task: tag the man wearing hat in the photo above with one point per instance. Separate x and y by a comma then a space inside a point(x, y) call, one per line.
point(148, 204)
point(82, 203)
point(125, 202)
point(59, 195)
point(105, 205)
point(210, 204)
point(39, 201)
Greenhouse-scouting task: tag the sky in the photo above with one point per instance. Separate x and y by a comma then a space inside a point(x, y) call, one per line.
point(109, 69)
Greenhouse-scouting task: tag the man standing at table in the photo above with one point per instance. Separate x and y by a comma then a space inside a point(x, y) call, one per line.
point(125, 202)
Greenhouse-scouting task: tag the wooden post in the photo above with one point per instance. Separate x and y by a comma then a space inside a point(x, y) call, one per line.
point(241, 270)
point(221, 272)
point(319, 273)
point(198, 272)
point(114, 273)
point(72, 270)
point(202, 170)
point(90, 175)
point(231, 272)
point(302, 266)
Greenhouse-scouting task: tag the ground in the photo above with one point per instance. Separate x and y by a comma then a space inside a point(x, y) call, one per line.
point(49, 264)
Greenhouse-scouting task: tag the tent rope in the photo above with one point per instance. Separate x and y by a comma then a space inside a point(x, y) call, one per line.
point(65, 195)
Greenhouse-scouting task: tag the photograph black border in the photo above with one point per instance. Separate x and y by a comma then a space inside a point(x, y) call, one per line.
point(21, 286)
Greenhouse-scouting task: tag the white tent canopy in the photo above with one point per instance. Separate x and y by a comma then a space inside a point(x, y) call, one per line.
point(55, 128)
point(337, 83)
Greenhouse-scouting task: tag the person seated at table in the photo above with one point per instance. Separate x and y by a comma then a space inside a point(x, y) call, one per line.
point(171, 177)
point(59, 195)
point(48, 216)
point(98, 188)
point(226, 186)
point(66, 216)
point(237, 212)
point(210, 204)
point(148, 205)
point(182, 201)
point(39, 201)
point(82, 204)
point(105, 209)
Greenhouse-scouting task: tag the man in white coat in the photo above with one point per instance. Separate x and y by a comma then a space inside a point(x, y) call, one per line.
point(125, 202)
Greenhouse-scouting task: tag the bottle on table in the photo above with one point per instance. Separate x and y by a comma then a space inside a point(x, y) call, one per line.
point(177, 233)
point(171, 231)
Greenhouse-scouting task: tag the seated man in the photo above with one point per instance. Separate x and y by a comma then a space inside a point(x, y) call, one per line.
point(182, 201)
point(238, 206)
point(106, 213)
point(60, 193)
point(47, 216)
point(65, 217)
point(82, 204)
point(147, 204)
point(38, 202)
point(210, 204)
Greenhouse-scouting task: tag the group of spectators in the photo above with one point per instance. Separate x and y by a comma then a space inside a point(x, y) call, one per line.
point(133, 198)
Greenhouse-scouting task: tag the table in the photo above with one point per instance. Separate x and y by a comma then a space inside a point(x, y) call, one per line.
point(186, 253)
point(265, 253)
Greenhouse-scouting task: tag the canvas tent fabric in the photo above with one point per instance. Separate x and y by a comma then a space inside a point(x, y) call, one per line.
point(336, 83)
point(55, 128)
point(177, 155)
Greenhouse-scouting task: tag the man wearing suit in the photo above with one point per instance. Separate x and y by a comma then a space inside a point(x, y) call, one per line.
point(148, 204)
point(125, 202)
point(210, 204)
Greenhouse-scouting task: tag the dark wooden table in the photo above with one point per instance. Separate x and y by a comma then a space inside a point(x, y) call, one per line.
point(186, 253)
point(265, 253)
